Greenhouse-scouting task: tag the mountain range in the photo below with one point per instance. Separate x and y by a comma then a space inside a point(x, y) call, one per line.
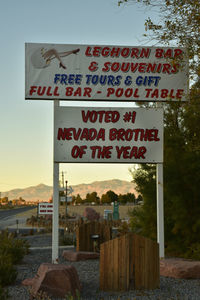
point(43, 192)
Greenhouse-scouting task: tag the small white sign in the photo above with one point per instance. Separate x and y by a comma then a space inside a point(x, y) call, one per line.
point(63, 199)
point(45, 208)
point(69, 199)
point(70, 190)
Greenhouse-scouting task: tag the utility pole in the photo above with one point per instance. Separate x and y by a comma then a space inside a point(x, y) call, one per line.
point(62, 179)
point(66, 198)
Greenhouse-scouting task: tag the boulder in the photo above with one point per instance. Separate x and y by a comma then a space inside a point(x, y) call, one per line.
point(54, 279)
point(91, 214)
point(180, 268)
point(79, 255)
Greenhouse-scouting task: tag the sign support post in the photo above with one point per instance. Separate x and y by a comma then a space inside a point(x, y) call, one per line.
point(55, 225)
point(160, 204)
point(160, 209)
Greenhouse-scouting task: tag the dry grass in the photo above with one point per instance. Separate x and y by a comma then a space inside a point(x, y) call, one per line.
point(79, 209)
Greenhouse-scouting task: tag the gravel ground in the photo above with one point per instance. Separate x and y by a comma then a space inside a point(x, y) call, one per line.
point(88, 271)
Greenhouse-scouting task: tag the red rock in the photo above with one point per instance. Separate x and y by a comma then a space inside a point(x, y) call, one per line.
point(28, 281)
point(91, 214)
point(180, 268)
point(79, 255)
point(56, 280)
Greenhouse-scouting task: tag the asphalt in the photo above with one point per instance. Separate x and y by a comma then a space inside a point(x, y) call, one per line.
point(15, 218)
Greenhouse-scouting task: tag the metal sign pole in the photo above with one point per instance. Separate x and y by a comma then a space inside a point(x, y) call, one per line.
point(55, 225)
point(66, 199)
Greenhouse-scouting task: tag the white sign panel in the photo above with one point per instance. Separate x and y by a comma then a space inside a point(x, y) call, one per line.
point(69, 199)
point(108, 135)
point(63, 199)
point(70, 190)
point(108, 73)
point(45, 208)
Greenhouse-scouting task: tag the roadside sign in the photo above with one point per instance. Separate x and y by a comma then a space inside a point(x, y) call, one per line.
point(108, 135)
point(105, 72)
point(45, 208)
point(70, 190)
point(63, 199)
point(69, 199)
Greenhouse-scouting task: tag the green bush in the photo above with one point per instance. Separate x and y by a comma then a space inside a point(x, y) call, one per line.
point(12, 247)
point(8, 272)
point(67, 239)
point(3, 293)
point(193, 251)
point(12, 251)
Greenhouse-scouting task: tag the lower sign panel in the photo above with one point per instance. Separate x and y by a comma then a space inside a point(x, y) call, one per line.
point(108, 135)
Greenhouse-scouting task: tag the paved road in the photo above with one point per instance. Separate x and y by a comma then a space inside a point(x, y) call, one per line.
point(9, 217)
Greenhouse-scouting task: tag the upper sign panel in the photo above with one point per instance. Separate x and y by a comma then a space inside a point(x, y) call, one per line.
point(105, 73)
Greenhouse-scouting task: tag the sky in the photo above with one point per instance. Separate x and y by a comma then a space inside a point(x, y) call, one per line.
point(26, 126)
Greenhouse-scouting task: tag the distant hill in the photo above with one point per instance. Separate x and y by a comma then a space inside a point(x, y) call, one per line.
point(39, 192)
point(101, 187)
point(43, 192)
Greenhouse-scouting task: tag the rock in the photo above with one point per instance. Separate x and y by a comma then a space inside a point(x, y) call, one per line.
point(28, 281)
point(55, 279)
point(91, 214)
point(180, 268)
point(79, 255)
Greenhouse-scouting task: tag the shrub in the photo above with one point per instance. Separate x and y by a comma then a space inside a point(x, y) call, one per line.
point(123, 229)
point(67, 239)
point(41, 295)
point(3, 293)
point(8, 272)
point(12, 247)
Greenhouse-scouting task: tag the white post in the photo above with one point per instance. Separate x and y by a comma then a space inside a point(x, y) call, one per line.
point(55, 225)
point(160, 203)
point(160, 210)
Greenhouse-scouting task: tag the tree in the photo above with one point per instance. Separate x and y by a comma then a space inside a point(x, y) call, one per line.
point(179, 24)
point(4, 200)
point(105, 199)
point(77, 199)
point(143, 219)
point(139, 199)
point(181, 186)
point(92, 197)
point(129, 197)
point(112, 195)
point(109, 197)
